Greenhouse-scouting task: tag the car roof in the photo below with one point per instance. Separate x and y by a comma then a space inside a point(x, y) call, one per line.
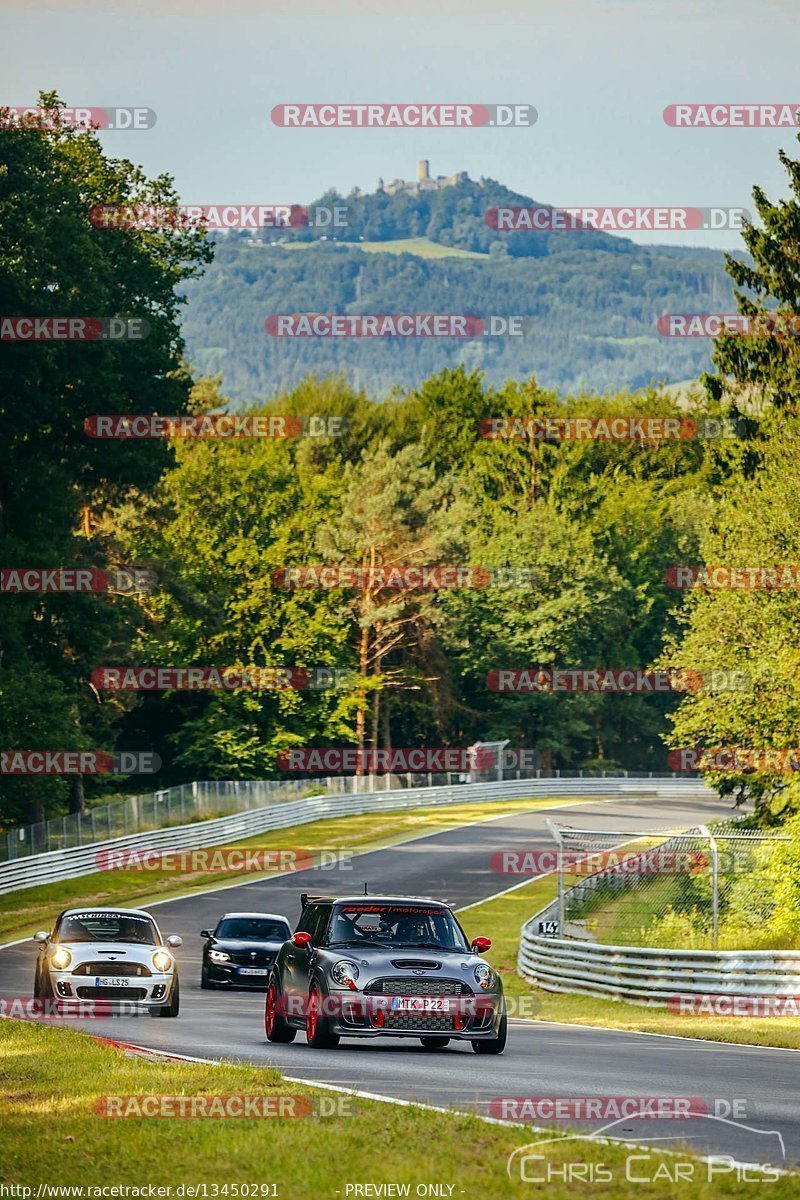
point(268, 916)
point(110, 909)
point(360, 898)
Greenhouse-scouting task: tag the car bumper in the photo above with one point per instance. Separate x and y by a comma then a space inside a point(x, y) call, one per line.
point(138, 993)
point(231, 975)
point(474, 1019)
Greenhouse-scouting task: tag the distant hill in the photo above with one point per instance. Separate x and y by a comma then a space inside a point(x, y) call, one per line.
point(593, 299)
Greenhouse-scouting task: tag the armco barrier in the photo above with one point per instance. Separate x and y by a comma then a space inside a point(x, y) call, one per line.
point(646, 976)
point(36, 869)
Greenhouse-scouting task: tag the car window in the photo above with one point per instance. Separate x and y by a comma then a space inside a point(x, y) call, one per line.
point(397, 925)
point(253, 929)
point(308, 917)
point(107, 927)
point(321, 925)
point(314, 920)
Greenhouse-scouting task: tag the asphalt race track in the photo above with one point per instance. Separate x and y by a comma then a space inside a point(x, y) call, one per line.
point(541, 1059)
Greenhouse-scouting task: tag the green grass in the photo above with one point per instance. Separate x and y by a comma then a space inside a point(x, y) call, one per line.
point(25, 911)
point(421, 246)
point(53, 1078)
point(501, 919)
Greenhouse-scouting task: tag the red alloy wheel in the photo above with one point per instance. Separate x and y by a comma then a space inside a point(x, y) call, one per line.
point(269, 1010)
point(312, 1016)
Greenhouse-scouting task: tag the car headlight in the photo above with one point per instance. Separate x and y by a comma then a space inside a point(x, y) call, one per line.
point(485, 976)
point(345, 973)
point(61, 958)
point(219, 956)
point(162, 961)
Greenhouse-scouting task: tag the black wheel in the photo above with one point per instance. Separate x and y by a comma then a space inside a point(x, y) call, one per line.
point(435, 1043)
point(205, 983)
point(173, 1008)
point(42, 985)
point(276, 1028)
point(494, 1045)
point(318, 1026)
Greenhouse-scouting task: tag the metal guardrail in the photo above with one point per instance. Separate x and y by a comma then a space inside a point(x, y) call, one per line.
point(643, 974)
point(653, 977)
point(35, 869)
point(200, 801)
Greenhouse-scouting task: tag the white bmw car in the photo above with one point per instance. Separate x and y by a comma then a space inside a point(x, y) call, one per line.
point(112, 954)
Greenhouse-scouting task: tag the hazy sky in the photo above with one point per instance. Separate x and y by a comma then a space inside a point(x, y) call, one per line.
point(599, 72)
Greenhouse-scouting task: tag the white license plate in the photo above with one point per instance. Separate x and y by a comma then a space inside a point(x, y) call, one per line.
point(110, 981)
point(420, 1004)
point(254, 970)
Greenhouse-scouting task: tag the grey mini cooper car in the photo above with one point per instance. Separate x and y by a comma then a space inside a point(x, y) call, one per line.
point(384, 966)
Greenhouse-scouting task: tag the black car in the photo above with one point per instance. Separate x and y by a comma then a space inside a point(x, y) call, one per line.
point(241, 950)
point(384, 966)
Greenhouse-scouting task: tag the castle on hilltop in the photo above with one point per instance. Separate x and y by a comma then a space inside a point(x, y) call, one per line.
point(424, 182)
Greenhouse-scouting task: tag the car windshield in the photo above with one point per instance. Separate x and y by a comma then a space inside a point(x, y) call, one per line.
point(253, 929)
point(107, 927)
point(396, 925)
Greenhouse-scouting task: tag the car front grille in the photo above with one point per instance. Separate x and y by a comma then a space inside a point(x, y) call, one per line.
point(263, 958)
point(113, 968)
point(111, 993)
point(428, 1021)
point(403, 986)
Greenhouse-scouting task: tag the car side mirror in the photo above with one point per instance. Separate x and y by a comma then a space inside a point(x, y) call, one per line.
point(173, 941)
point(301, 939)
point(481, 944)
point(206, 933)
point(41, 937)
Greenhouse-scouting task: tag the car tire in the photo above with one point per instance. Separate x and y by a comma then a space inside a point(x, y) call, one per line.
point(42, 985)
point(318, 1026)
point(173, 1008)
point(494, 1045)
point(205, 983)
point(434, 1043)
point(275, 1027)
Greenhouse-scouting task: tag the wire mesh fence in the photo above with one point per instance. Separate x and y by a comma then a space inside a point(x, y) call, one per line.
point(705, 887)
point(199, 801)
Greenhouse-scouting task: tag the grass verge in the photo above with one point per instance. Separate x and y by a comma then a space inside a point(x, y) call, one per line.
point(53, 1079)
point(23, 912)
point(501, 920)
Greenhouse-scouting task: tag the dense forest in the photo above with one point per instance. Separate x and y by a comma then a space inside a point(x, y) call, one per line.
point(597, 525)
point(593, 299)
point(593, 313)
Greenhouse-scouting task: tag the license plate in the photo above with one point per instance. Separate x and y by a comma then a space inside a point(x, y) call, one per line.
point(253, 970)
point(420, 1004)
point(110, 981)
